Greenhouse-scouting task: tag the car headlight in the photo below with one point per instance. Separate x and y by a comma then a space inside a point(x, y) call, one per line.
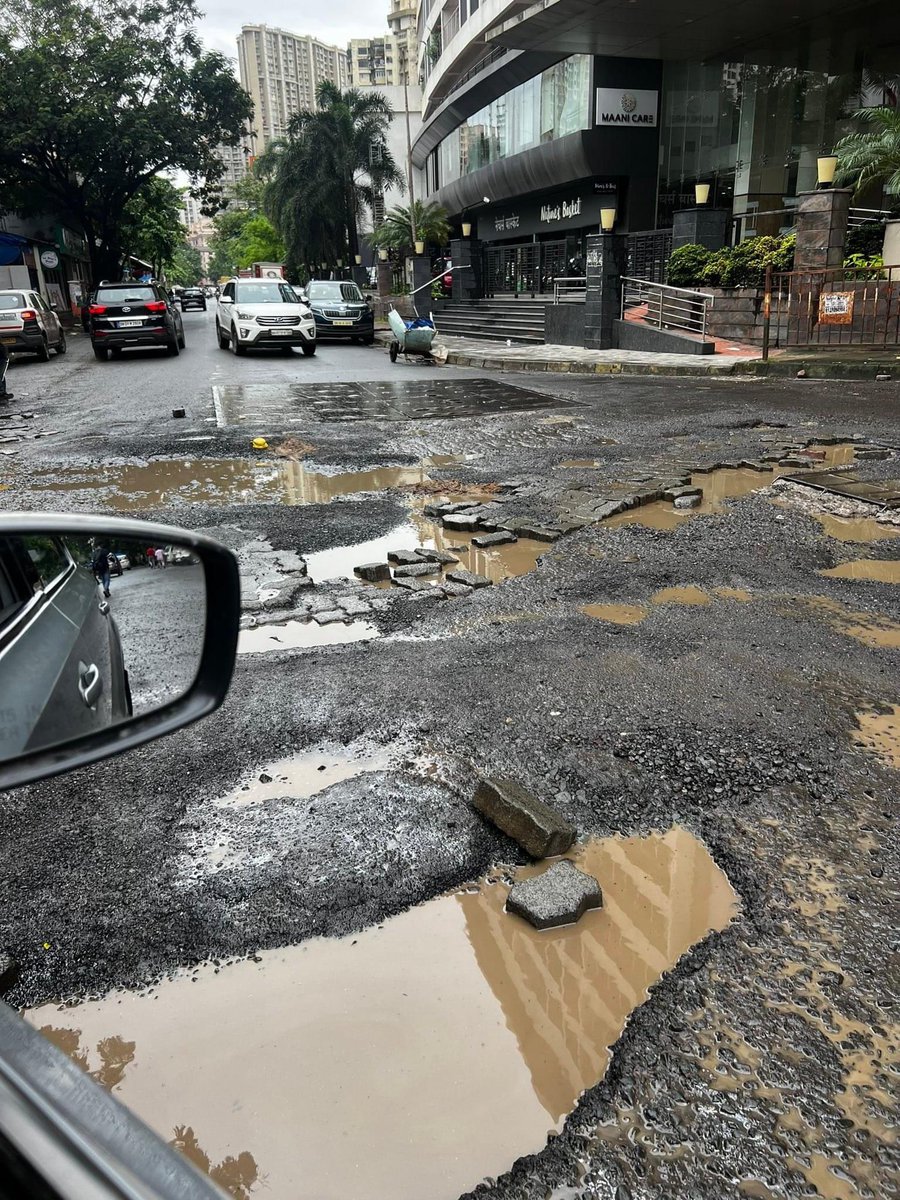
point(245, 316)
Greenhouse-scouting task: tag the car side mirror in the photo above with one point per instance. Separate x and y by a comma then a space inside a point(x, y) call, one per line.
point(225, 300)
point(112, 633)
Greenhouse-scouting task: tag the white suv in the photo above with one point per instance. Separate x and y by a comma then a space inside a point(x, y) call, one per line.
point(263, 312)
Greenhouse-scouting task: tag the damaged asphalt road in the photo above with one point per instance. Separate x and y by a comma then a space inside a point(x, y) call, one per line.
point(767, 1063)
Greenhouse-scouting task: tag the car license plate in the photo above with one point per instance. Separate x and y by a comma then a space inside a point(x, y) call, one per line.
point(282, 332)
point(343, 322)
point(7, 341)
point(129, 324)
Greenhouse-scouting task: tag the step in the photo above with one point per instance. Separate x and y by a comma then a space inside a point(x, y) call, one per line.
point(494, 313)
point(493, 336)
point(496, 331)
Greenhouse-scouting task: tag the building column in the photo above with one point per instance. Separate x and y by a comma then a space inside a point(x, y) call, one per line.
point(385, 278)
point(466, 253)
point(421, 273)
point(360, 277)
point(606, 262)
point(822, 229)
point(700, 226)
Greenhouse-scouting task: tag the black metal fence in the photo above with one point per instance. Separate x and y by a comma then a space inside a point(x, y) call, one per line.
point(648, 254)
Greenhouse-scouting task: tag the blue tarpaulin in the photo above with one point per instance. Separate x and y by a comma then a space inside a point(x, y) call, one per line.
point(11, 247)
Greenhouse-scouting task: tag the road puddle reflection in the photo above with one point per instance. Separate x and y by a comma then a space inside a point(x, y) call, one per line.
point(880, 733)
point(413, 1059)
point(879, 570)
point(855, 529)
point(298, 635)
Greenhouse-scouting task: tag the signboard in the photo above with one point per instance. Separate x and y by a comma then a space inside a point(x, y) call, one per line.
point(836, 308)
point(562, 212)
point(49, 259)
point(55, 296)
point(635, 108)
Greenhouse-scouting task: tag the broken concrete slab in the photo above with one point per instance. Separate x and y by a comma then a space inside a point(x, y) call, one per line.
point(330, 617)
point(456, 591)
point(533, 529)
point(500, 538)
point(461, 522)
point(674, 493)
point(354, 606)
point(373, 572)
point(438, 556)
point(413, 570)
point(469, 579)
point(404, 557)
point(539, 830)
point(690, 501)
point(412, 585)
point(560, 896)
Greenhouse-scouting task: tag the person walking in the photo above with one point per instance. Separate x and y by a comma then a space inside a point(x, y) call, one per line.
point(160, 557)
point(151, 556)
point(100, 567)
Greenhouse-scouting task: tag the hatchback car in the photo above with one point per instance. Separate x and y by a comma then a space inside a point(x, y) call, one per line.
point(193, 298)
point(51, 613)
point(28, 325)
point(263, 312)
point(341, 310)
point(126, 316)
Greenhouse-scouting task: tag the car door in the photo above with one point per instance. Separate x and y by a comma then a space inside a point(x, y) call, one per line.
point(49, 318)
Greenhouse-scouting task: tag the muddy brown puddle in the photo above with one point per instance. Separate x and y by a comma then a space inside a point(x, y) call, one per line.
point(878, 570)
point(880, 733)
point(409, 1060)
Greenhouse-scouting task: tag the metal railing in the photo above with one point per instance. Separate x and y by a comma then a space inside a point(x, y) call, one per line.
point(840, 306)
point(569, 289)
point(666, 307)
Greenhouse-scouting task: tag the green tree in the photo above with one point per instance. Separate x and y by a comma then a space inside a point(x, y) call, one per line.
point(871, 156)
point(186, 267)
point(98, 97)
point(152, 229)
point(431, 226)
point(321, 177)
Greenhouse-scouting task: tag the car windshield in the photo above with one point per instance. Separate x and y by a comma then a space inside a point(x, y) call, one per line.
point(131, 295)
point(266, 293)
point(334, 289)
point(12, 300)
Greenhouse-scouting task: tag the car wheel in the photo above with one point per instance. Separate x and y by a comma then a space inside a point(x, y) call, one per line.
point(101, 353)
point(43, 354)
point(309, 349)
point(395, 350)
point(221, 337)
point(172, 348)
point(368, 339)
point(61, 346)
point(236, 347)
point(181, 341)
point(116, 352)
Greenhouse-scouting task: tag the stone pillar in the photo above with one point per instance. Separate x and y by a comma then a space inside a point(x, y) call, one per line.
point(701, 226)
point(606, 262)
point(360, 277)
point(385, 279)
point(822, 229)
point(466, 252)
point(421, 273)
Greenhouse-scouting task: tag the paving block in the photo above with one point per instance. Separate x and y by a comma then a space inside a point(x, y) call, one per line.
point(413, 570)
point(461, 522)
point(330, 617)
point(412, 585)
point(467, 578)
point(373, 572)
point(501, 538)
point(438, 556)
point(456, 591)
point(404, 558)
point(539, 830)
point(560, 896)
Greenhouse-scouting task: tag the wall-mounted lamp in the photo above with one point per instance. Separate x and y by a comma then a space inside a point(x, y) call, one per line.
point(701, 193)
point(357, 258)
point(420, 248)
point(382, 255)
point(607, 219)
point(467, 229)
point(826, 168)
point(340, 263)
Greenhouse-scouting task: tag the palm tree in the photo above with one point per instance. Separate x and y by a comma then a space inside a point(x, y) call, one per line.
point(872, 156)
point(332, 164)
point(398, 229)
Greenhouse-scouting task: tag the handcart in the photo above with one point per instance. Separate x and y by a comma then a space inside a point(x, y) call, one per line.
point(411, 337)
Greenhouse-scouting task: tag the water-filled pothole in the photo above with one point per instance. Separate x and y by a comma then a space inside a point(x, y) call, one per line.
point(296, 635)
point(880, 733)
point(371, 1065)
point(878, 570)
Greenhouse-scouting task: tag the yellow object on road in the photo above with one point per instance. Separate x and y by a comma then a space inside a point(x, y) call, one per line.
point(260, 444)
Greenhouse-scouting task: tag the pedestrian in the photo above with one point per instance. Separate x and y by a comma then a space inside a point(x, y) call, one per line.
point(4, 363)
point(160, 556)
point(151, 556)
point(100, 567)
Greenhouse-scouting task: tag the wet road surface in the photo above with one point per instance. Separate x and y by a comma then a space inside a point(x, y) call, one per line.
point(728, 670)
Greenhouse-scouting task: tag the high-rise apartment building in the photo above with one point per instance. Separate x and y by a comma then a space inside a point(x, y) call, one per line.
point(391, 59)
point(281, 71)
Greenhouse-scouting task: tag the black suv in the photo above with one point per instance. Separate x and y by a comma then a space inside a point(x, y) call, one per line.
point(126, 315)
point(192, 298)
point(341, 311)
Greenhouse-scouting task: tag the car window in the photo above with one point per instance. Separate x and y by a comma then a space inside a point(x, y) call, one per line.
point(334, 290)
point(229, 291)
point(266, 293)
point(38, 302)
point(136, 295)
point(12, 300)
point(48, 555)
point(20, 577)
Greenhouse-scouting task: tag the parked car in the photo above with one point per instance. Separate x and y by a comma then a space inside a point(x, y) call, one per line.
point(341, 310)
point(193, 298)
point(263, 312)
point(28, 325)
point(133, 315)
point(115, 567)
point(51, 615)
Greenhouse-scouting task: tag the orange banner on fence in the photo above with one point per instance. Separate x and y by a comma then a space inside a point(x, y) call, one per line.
point(836, 308)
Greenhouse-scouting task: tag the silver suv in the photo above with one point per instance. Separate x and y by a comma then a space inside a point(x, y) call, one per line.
point(28, 325)
point(263, 312)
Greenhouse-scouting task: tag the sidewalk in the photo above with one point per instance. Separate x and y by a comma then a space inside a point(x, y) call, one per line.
point(498, 356)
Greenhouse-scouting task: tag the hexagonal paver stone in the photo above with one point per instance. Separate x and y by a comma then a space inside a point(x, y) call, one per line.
point(558, 897)
point(467, 578)
point(373, 572)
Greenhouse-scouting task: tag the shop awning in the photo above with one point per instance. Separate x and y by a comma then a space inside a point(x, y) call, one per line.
point(11, 248)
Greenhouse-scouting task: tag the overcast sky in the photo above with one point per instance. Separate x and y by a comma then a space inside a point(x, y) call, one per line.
point(334, 21)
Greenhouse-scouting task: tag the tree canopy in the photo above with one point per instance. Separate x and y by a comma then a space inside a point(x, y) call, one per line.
point(186, 267)
point(152, 228)
point(100, 96)
point(242, 233)
point(333, 163)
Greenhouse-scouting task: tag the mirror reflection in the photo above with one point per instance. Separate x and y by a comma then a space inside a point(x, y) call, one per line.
point(93, 630)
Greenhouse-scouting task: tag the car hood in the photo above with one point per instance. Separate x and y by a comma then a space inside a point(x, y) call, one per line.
point(270, 310)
